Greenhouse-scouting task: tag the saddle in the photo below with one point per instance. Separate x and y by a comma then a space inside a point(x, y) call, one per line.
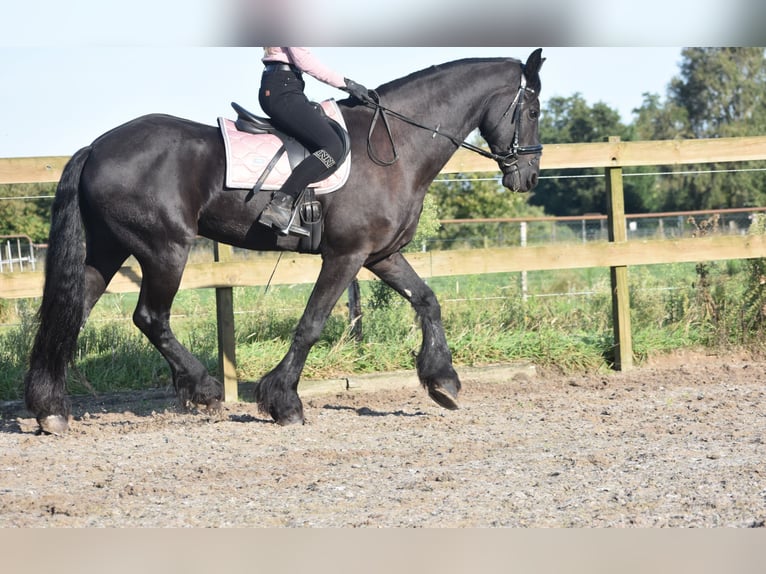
point(259, 157)
point(257, 152)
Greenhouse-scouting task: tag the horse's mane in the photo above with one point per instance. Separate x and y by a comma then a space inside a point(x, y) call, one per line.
point(434, 70)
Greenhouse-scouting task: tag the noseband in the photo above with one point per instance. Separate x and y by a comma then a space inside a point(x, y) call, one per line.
point(506, 160)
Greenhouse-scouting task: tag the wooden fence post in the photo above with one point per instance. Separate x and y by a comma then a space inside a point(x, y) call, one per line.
point(618, 233)
point(523, 242)
point(355, 310)
point(224, 308)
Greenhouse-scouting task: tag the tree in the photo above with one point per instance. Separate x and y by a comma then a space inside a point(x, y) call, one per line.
point(721, 90)
point(29, 215)
point(572, 120)
point(478, 196)
point(658, 120)
point(719, 93)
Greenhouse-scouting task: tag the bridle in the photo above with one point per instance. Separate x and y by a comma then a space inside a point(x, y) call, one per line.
point(507, 159)
point(511, 157)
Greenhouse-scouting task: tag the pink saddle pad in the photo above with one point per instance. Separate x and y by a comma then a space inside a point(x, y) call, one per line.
point(247, 156)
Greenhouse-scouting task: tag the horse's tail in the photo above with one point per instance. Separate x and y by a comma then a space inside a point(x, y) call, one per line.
point(61, 311)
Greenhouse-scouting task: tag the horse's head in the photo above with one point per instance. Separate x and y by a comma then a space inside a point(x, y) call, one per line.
point(511, 130)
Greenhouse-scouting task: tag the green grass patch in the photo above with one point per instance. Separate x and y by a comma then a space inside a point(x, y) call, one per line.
point(564, 322)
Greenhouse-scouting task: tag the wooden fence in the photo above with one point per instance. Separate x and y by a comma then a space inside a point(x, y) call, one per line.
point(617, 254)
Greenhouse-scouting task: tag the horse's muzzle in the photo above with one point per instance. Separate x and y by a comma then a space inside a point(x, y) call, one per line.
point(524, 179)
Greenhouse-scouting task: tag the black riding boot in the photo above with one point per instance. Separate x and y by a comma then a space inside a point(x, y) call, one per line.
point(280, 215)
point(278, 212)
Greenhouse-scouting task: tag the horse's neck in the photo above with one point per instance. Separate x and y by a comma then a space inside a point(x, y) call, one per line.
point(454, 101)
point(449, 102)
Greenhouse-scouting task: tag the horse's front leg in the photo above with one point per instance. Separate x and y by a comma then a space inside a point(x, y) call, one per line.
point(277, 392)
point(434, 361)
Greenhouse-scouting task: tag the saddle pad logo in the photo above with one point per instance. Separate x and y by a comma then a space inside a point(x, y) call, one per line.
point(247, 156)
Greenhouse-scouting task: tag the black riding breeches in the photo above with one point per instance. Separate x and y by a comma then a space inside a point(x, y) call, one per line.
point(281, 97)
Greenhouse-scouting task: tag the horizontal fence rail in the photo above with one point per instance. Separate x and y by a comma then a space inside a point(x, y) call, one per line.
point(617, 253)
point(628, 154)
point(556, 156)
point(295, 269)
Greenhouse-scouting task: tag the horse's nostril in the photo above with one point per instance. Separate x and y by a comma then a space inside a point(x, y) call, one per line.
point(533, 180)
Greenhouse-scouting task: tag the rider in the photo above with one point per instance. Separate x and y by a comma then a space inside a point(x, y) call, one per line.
point(281, 97)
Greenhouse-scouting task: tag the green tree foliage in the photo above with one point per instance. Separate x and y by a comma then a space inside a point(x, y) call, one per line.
point(29, 215)
point(658, 120)
point(478, 196)
point(428, 224)
point(720, 92)
point(575, 192)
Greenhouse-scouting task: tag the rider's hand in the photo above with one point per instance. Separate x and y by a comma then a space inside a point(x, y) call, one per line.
point(357, 90)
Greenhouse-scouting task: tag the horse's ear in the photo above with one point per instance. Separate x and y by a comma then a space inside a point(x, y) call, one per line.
point(532, 68)
point(534, 62)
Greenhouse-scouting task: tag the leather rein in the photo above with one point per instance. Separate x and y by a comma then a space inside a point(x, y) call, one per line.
point(508, 159)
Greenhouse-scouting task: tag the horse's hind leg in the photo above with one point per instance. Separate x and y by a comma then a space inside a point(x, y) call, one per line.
point(434, 361)
point(159, 286)
point(102, 261)
point(46, 397)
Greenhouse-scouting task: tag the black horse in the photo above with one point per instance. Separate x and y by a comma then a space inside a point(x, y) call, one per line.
point(150, 186)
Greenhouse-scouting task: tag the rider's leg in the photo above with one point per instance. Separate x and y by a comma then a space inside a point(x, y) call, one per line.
point(292, 113)
point(279, 211)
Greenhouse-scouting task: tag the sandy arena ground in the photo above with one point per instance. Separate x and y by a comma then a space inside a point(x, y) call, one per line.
point(677, 443)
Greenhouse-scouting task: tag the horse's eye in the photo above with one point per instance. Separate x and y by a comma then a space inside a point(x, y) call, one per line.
point(533, 114)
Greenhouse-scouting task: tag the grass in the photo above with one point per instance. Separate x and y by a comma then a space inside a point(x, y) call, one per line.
point(564, 322)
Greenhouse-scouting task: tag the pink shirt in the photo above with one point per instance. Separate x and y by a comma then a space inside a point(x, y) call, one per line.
point(306, 62)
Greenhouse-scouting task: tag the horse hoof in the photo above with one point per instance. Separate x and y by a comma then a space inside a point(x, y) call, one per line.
point(214, 406)
point(294, 418)
point(53, 424)
point(443, 398)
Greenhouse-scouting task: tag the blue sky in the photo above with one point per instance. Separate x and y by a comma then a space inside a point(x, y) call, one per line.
point(56, 99)
point(73, 69)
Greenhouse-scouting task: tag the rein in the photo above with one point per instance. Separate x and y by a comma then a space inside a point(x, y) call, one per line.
point(505, 160)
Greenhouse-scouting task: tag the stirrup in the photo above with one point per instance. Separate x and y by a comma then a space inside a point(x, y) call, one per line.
point(294, 227)
point(297, 230)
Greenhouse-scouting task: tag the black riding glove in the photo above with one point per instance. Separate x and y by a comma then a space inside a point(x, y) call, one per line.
point(357, 90)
